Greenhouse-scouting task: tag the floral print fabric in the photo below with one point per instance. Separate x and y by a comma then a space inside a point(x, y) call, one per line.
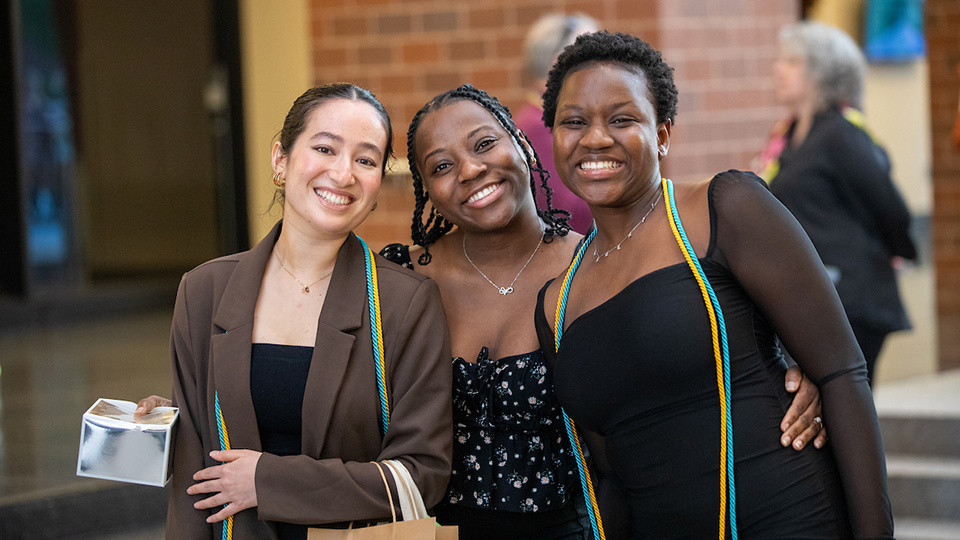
point(509, 448)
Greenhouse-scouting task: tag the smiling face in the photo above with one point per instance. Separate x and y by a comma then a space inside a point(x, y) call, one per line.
point(607, 143)
point(475, 173)
point(334, 169)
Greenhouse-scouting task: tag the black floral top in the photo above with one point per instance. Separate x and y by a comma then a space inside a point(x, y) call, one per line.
point(510, 448)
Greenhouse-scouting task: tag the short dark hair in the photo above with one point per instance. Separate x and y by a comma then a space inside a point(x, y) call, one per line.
point(625, 49)
point(295, 122)
point(425, 233)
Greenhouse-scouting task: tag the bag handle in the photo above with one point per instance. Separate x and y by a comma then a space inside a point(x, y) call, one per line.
point(393, 511)
point(411, 501)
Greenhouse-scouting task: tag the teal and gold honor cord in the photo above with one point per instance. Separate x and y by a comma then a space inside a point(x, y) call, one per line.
point(376, 330)
point(721, 355)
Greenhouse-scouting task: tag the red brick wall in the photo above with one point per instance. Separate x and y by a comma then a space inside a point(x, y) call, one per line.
point(943, 38)
point(407, 51)
point(723, 53)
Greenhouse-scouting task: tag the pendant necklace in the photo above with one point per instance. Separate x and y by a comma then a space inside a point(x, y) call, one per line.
point(629, 234)
point(508, 289)
point(305, 289)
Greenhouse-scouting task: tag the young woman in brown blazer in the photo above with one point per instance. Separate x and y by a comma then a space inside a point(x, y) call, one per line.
point(273, 355)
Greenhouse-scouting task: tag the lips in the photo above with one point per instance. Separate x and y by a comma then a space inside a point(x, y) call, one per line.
point(333, 199)
point(608, 165)
point(483, 193)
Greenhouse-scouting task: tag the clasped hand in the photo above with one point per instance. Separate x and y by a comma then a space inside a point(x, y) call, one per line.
point(232, 483)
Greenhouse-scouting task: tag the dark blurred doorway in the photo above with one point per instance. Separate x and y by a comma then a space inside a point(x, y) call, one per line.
point(127, 167)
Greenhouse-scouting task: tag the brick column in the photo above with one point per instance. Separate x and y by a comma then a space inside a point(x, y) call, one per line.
point(943, 39)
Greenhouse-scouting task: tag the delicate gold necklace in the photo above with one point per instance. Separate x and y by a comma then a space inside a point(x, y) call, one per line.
point(303, 288)
point(509, 288)
point(629, 234)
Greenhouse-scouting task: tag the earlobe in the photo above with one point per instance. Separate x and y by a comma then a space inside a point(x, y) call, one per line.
point(663, 139)
point(529, 148)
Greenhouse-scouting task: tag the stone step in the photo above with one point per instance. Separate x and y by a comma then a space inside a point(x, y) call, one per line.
point(924, 487)
point(927, 435)
point(85, 510)
point(921, 529)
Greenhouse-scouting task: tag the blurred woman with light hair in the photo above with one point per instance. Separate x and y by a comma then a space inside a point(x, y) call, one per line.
point(825, 167)
point(543, 44)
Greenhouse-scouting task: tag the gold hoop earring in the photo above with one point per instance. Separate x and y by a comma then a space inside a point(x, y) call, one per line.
point(278, 181)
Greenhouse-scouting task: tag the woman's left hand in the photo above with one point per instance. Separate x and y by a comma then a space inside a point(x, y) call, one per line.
point(232, 483)
point(803, 422)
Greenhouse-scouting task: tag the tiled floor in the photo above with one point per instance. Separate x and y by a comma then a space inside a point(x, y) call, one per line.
point(49, 377)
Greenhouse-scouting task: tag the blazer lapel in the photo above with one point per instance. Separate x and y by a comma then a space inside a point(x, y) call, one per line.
point(342, 314)
point(230, 349)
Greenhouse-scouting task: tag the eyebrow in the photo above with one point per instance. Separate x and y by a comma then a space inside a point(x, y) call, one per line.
point(363, 144)
point(577, 107)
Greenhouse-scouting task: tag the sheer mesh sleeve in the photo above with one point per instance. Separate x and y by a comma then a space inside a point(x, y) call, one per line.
point(778, 267)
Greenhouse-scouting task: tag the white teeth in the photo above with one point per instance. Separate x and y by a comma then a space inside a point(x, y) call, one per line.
point(482, 193)
point(597, 165)
point(332, 198)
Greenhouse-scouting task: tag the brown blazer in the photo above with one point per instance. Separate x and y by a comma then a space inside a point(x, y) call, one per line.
point(332, 480)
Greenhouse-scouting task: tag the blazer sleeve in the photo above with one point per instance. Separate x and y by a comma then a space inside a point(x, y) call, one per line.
point(778, 267)
point(183, 520)
point(301, 489)
point(863, 172)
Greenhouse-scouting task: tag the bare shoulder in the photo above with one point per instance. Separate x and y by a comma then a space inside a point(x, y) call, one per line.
point(561, 249)
point(441, 254)
point(692, 195)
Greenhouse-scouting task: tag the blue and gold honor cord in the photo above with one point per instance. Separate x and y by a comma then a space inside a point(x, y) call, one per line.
point(224, 445)
point(376, 329)
point(721, 355)
point(586, 482)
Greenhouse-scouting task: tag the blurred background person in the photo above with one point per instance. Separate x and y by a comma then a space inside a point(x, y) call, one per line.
point(825, 167)
point(544, 42)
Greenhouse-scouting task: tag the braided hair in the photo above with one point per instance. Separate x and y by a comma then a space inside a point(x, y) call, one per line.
point(423, 233)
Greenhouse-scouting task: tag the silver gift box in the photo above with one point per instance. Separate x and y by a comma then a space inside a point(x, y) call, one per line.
point(115, 446)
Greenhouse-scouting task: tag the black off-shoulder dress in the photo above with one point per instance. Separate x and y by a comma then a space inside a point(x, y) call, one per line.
point(638, 371)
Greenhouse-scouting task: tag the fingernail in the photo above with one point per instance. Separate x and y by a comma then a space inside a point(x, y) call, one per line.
point(791, 386)
point(817, 444)
point(785, 441)
point(139, 410)
point(798, 444)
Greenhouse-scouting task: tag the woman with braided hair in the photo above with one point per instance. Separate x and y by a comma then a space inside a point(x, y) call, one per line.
point(513, 476)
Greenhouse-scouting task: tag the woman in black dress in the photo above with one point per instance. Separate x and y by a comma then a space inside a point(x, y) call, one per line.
point(635, 367)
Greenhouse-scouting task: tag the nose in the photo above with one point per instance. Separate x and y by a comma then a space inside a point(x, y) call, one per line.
point(471, 170)
point(342, 171)
point(596, 136)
